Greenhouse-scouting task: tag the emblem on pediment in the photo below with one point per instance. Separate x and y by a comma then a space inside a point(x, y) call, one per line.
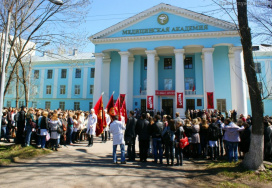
point(163, 19)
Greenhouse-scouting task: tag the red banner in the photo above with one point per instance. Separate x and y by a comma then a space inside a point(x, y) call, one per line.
point(117, 109)
point(150, 102)
point(122, 98)
point(110, 107)
point(210, 100)
point(179, 100)
point(124, 110)
point(101, 118)
point(165, 92)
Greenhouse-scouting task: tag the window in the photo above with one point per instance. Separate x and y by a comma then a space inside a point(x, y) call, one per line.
point(62, 105)
point(168, 84)
point(34, 104)
point(49, 74)
point(21, 89)
point(91, 89)
point(21, 103)
point(10, 90)
point(260, 84)
point(36, 74)
point(48, 89)
point(35, 90)
point(8, 103)
point(145, 84)
point(145, 64)
point(62, 89)
point(188, 63)
point(189, 83)
point(77, 89)
point(258, 67)
point(47, 104)
point(90, 105)
point(221, 105)
point(167, 63)
point(199, 102)
point(76, 106)
point(78, 73)
point(63, 73)
point(92, 72)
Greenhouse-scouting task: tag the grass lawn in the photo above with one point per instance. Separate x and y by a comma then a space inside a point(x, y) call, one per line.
point(9, 154)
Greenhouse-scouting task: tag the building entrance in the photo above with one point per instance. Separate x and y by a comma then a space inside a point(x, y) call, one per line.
point(167, 106)
point(143, 105)
point(190, 104)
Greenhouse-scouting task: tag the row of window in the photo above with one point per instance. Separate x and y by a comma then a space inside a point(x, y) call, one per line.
point(62, 105)
point(63, 73)
point(188, 63)
point(63, 89)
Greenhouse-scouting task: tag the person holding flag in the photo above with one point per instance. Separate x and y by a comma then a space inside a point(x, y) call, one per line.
point(91, 127)
point(101, 118)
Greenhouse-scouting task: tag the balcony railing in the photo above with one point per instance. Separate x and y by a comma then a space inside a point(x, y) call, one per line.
point(143, 92)
point(190, 92)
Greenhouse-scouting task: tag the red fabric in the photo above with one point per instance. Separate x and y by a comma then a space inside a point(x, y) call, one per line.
point(101, 118)
point(193, 88)
point(117, 109)
point(150, 102)
point(179, 100)
point(210, 100)
point(122, 98)
point(110, 107)
point(124, 110)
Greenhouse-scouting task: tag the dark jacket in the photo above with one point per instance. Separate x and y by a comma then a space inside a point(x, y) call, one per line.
point(21, 120)
point(9, 119)
point(214, 132)
point(156, 129)
point(142, 129)
point(70, 122)
point(44, 123)
point(130, 128)
point(245, 140)
point(179, 133)
point(188, 131)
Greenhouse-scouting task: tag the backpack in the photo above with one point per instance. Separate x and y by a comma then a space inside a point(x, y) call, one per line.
point(166, 136)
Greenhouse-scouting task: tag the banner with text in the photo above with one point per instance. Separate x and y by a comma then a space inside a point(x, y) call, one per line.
point(179, 100)
point(210, 100)
point(150, 102)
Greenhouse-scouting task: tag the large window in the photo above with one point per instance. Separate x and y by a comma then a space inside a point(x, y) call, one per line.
point(63, 73)
point(35, 90)
point(188, 63)
point(62, 105)
point(62, 89)
point(258, 67)
point(47, 104)
point(92, 72)
point(145, 84)
point(34, 104)
point(91, 89)
point(49, 74)
point(145, 64)
point(8, 103)
point(76, 105)
point(167, 63)
point(77, 89)
point(221, 105)
point(90, 105)
point(36, 74)
point(10, 90)
point(48, 89)
point(21, 103)
point(168, 84)
point(78, 73)
point(189, 83)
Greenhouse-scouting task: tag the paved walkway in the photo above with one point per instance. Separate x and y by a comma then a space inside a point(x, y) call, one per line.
point(80, 166)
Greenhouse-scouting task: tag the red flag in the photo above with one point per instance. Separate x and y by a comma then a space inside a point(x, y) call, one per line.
point(193, 88)
point(179, 100)
point(210, 100)
point(122, 98)
point(117, 109)
point(101, 119)
point(110, 107)
point(124, 110)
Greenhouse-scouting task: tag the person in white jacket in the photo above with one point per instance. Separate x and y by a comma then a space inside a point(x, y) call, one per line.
point(117, 129)
point(106, 129)
point(91, 127)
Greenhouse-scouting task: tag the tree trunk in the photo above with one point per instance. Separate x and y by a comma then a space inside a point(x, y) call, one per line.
point(254, 158)
point(17, 87)
point(24, 82)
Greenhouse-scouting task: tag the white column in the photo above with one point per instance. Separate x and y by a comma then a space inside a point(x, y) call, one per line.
point(151, 76)
point(41, 84)
point(70, 80)
point(130, 83)
point(85, 86)
point(55, 90)
point(106, 77)
point(209, 74)
point(124, 73)
point(240, 81)
point(98, 77)
point(204, 83)
point(232, 81)
point(268, 76)
point(156, 105)
point(179, 79)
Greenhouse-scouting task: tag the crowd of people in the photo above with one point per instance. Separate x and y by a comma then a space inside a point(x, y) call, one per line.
point(210, 134)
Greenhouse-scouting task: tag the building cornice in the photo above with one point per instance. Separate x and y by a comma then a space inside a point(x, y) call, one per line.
point(167, 8)
point(167, 37)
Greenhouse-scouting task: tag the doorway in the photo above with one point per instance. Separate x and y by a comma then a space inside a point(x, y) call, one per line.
point(167, 106)
point(190, 104)
point(143, 105)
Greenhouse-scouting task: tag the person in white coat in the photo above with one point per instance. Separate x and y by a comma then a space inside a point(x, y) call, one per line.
point(106, 129)
point(91, 127)
point(117, 129)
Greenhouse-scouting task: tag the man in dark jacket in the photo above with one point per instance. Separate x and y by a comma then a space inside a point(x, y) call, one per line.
point(9, 118)
point(156, 131)
point(130, 136)
point(142, 132)
point(21, 126)
point(213, 135)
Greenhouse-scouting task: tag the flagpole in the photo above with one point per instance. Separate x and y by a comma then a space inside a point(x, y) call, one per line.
point(113, 92)
point(102, 93)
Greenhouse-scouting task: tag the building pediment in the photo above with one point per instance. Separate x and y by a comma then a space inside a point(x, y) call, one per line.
point(163, 19)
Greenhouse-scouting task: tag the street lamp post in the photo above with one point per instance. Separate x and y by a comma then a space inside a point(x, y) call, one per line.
point(3, 73)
